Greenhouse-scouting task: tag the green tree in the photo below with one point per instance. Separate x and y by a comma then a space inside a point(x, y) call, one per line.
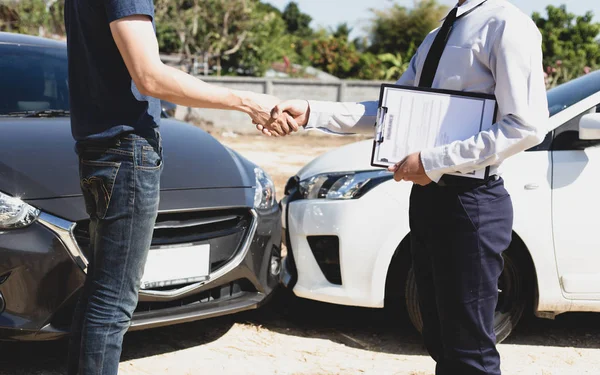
point(569, 43)
point(266, 43)
point(214, 28)
point(400, 29)
point(297, 22)
point(342, 31)
point(9, 18)
point(35, 17)
point(333, 55)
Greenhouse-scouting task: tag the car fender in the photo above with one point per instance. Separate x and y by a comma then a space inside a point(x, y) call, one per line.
point(400, 192)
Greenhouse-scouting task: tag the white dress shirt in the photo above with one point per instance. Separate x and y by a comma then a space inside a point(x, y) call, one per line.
point(494, 49)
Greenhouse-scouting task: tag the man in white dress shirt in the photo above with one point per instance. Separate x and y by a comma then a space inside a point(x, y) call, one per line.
point(459, 226)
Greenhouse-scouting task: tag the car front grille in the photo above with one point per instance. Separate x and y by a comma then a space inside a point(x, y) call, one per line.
point(224, 230)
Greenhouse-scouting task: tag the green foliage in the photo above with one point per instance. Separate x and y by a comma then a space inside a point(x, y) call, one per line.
point(168, 39)
point(570, 44)
point(342, 31)
point(246, 37)
point(297, 22)
point(399, 29)
point(333, 55)
point(35, 17)
point(213, 28)
point(267, 42)
point(393, 66)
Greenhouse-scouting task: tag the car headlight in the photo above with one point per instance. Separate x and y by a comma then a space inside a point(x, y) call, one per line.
point(264, 196)
point(342, 185)
point(14, 213)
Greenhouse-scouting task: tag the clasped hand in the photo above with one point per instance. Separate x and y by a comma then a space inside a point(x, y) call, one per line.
point(285, 118)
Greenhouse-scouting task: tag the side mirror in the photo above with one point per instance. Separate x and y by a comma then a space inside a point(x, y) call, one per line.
point(168, 109)
point(589, 127)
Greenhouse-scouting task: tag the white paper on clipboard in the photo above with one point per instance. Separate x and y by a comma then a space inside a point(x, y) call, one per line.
point(412, 119)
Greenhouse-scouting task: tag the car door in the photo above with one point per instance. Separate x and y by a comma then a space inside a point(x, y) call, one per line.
point(576, 208)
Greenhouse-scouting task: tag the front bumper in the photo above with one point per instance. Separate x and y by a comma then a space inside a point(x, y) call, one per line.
point(45, 270)
point(368, 232)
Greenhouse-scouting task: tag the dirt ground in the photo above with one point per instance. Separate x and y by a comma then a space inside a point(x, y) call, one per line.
point(291, 336)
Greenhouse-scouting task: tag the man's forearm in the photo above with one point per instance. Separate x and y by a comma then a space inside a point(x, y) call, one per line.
point(506, 138)
point(178, 87)
point(137, 43)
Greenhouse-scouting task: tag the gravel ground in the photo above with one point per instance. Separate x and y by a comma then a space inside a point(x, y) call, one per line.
point(295, 336)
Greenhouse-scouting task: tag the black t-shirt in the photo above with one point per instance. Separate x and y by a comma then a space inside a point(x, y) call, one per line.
point(104, 100)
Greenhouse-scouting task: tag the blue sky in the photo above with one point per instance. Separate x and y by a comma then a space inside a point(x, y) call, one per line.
point(329, 13)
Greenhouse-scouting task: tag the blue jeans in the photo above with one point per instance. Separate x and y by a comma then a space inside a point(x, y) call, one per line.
point(120, 180)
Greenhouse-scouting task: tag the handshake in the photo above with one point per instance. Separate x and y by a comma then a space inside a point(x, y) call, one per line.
point(277, 118)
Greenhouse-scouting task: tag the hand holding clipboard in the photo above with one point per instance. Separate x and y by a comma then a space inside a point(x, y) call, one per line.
point(411, 119)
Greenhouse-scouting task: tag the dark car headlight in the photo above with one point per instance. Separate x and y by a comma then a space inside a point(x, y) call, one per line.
point(14, 213)
point(339, 186)
point(264, 195)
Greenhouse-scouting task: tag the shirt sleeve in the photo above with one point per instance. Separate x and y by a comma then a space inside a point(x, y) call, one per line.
point(117, 9)
point(516, 63)
point(351, 118)
point(342, 118)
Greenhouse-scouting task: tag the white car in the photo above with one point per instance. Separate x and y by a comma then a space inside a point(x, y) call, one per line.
point(346, 223)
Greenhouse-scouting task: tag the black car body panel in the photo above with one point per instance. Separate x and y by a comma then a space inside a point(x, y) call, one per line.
point(38, 160)
point(207, 197)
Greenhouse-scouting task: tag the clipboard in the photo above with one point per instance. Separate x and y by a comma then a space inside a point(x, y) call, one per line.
point(410, 119)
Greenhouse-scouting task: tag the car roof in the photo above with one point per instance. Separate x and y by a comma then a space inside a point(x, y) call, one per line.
point(18, 39)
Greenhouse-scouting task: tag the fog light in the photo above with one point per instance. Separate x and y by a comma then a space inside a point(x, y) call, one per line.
point(275, 267)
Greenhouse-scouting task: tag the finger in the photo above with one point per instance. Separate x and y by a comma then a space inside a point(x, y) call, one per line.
point(394, 168)
point(263, 130)
point(277, 111)
point(398, 176)
point(275, 129)
point(282, 127)
point(291, 122)
point(285, 125)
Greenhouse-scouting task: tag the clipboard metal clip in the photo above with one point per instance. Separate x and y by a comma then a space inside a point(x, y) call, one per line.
point(380, 124)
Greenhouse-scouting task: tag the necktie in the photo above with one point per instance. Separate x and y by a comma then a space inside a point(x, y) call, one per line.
point(437, 48)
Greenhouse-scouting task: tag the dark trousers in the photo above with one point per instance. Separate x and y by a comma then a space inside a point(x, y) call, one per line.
point(458, 235)
point(120, 183)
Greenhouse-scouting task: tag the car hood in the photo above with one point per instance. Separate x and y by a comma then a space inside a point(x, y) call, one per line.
point(38, 160)
point(352, 157)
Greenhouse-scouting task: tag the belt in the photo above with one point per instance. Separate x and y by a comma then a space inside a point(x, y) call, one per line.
point(464, 182)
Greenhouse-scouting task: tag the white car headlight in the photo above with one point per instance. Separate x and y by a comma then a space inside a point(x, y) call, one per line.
point(342, 185)
point(14, 213)
point(264, 196)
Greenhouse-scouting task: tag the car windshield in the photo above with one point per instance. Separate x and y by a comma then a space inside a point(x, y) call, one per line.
point(563, 96)
point(33, 80)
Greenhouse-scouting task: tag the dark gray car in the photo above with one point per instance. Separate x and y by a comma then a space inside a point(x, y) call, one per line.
point(212, 200)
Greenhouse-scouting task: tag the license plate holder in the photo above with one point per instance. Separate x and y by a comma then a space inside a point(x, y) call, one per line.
point(176, 265)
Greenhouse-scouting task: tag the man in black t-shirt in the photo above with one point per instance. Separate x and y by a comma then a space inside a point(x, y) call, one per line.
point(116, 81)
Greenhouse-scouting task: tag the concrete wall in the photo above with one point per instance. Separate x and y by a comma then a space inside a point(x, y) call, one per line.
point(345, 91)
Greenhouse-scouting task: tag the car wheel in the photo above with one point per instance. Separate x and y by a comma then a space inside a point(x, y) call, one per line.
point(512, 298)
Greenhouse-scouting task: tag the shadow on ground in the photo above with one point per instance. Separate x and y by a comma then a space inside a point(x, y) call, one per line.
point(382, 331)
point(374, 330)
point(49, 358)
point(362, 328)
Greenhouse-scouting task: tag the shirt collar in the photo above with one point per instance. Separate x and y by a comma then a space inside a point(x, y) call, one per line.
point(466, 7)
